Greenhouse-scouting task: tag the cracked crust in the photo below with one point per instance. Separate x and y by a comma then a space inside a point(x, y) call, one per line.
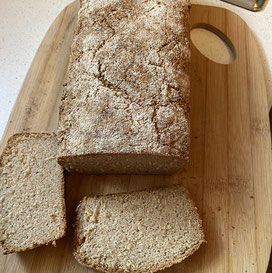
point(127, 86)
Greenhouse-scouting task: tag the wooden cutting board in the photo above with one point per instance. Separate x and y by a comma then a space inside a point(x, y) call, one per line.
point(230, 170)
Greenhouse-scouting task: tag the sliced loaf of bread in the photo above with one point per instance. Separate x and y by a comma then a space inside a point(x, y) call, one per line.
point(31, 193)
point(142, 231)
point(125, 103)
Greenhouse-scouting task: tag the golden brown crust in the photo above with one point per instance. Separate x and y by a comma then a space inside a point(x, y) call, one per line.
point(122, 163)
point(9, 251)
point(14, 137)
point(132, 101)
point(151, 269)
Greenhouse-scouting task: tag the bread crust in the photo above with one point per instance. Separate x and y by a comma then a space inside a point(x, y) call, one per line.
point(5, 152)
point(167, 166)
point(113, 107)
point(152, 268)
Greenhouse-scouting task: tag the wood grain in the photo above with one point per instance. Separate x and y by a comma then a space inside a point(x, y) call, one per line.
point(229, 174)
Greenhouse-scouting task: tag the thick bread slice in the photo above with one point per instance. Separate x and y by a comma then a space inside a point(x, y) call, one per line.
point(31, 193)
point(142, 231)
point(125, 106)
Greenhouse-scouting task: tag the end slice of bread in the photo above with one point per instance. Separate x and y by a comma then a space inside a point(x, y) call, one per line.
point(142, 231)
point(31, 193)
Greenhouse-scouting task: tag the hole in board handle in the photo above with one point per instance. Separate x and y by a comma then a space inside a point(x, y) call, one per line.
point(213, 43)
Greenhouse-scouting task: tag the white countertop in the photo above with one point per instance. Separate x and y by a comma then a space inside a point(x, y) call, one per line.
point(23, 25)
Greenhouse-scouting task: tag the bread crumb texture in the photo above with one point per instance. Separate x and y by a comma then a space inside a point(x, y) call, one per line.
point(31, 193)
point(141, 231)
point(127, 84)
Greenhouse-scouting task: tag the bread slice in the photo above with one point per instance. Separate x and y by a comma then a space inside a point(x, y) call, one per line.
point(125, 104)
point(142, 231)
point(31, 193)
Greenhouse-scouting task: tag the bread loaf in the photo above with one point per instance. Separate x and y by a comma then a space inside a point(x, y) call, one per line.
point(31, 193)
point(138, 232)
point(125, 104)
